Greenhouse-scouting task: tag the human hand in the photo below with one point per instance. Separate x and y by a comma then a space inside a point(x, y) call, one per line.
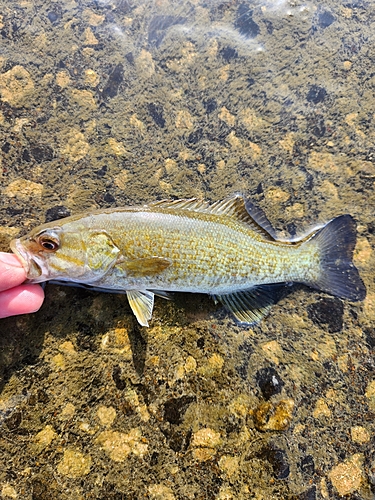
point(16, 298)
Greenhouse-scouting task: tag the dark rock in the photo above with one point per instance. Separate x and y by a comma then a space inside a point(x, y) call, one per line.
point(42, 396)
point(269, 382)
point(156, 113)
point(195, 136)
point(325, 19)
point(200, 342)
point(14, 420)
point(114, 81)
point(102, 171)
point(245, 23)
point(174, 409)
point(328, 312)
point(5, 147)
point(316, 94)
point(309, 494)
point(228, 53)
point(278, 460)
point(56, 213)
point(210, 105)
point(250, 82)
point(154, 458)
point(370, 336)
point(130, 57)
point(26, 155)
point(179, 441)
point(41, 153)
point(117, 378)
point(317, 126)
point(307, 465)
point(108, 198)
point(54, 16)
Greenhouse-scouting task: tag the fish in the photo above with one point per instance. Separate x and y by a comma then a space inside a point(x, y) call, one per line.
point(227, 249)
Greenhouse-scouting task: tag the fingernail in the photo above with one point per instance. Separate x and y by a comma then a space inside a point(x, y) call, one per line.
point(10, 259)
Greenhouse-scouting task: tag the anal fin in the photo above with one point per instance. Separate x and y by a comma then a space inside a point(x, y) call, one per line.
point(250, 306)
point(141, 303)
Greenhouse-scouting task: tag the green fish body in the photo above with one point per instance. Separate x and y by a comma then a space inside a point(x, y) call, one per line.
point(227, 249)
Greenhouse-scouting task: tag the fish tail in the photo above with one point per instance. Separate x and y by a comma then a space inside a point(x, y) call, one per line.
point(337, 274)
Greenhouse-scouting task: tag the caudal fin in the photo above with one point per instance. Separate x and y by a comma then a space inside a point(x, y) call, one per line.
point(338, 275)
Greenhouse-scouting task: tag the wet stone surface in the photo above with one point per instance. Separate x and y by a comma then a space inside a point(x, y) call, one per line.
point(104, 104)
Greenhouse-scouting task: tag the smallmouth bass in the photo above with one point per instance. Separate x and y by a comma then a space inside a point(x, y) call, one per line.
point(227, 249)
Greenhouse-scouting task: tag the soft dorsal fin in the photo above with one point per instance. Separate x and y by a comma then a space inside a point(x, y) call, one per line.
point(235, 207)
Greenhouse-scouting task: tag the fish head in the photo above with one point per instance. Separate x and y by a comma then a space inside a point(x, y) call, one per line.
point(65, 252)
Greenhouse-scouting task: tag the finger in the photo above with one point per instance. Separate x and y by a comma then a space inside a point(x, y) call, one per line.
point(21, 300)
point(11, 271)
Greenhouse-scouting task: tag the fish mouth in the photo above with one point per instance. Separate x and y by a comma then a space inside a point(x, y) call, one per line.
point(34, 270)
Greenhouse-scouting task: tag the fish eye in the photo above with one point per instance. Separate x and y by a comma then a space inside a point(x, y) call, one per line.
point(48, 243)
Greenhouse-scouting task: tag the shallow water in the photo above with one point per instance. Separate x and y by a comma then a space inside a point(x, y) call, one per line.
point(113, 103)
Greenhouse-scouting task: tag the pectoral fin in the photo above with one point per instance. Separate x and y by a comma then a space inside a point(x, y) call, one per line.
point(142, 304)
point(147, 266)
point(250, 306)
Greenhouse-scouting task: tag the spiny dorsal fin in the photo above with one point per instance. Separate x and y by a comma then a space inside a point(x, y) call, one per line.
point(235, 207)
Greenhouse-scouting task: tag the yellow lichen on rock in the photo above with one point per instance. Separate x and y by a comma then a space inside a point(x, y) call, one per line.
point(359, 434)
point(145, 64)
point(363, 251)
point(16, 85)
point(63, 79)
point(24, 189)
point(160, 492)
point(45, 437)
point(90, 38)
point(227, 117)
point(122, 179)
point(370, 394)
point(7, 491)
point(288, 142)
point(67, 348)
point(229, 465)
point(76, 146)
point(347, 476)
point(206, 438)
point(91, 78)
point(273, 351)
point(116, 147)
point(117, 340)
point(204, 444)
point(83, 98)
point(106, 415)
point(321, 409)
point(118, 445)
point(277, 195)
point(271, 416)
point(92, 18)
point(74, 464)
point(213, 366)
point(184, 120)
point(250, 120)
point(58, 362)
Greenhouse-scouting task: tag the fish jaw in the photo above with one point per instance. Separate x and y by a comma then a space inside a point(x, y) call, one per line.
point(35, 269)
